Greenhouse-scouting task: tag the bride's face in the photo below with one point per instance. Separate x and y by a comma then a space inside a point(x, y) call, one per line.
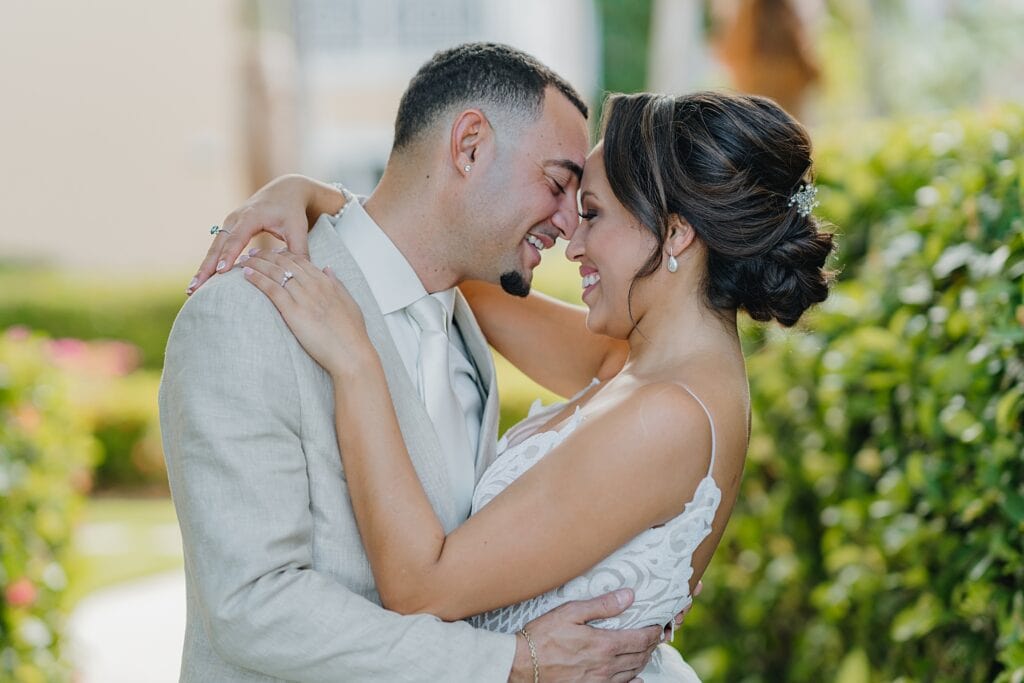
point(611, 247)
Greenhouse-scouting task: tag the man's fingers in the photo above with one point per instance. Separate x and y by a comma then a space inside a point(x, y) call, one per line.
point(634, 662)
point(626, 676)
point(601, 607)
point(638, 641)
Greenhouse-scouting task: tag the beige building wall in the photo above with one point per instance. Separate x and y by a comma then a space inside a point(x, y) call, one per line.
point(120, 135)
point(125, 130)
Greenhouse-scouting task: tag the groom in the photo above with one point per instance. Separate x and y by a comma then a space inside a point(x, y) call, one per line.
point(488, 152)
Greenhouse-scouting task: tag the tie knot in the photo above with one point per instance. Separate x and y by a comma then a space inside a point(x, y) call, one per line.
point(430, 314)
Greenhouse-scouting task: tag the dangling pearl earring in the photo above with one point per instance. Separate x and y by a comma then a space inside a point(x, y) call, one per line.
point(468, 168)
point(672, 264)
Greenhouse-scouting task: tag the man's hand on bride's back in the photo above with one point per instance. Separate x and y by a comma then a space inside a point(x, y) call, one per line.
point(569, 650)
point(278, 208)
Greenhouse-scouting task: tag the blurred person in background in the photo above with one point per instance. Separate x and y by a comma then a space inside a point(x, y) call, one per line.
point(764, 46)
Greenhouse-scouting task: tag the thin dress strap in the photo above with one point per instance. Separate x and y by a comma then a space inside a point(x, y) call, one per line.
point(710, 422)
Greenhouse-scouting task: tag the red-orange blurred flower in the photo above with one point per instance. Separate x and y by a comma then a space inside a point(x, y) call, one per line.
point(28, 418)
point(21, 593)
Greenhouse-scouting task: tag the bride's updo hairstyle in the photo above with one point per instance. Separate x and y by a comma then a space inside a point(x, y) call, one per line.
point(728, 164)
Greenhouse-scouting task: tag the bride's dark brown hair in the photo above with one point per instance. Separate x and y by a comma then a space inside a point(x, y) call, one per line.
point(729, 165)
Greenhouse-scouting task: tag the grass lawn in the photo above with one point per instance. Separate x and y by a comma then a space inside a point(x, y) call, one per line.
point(120, 539)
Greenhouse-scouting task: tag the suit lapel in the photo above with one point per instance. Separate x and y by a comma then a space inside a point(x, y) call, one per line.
point(476, 344)
point(327, 249)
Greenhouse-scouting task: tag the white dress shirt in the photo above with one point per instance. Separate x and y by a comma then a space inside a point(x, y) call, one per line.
point(395, 286)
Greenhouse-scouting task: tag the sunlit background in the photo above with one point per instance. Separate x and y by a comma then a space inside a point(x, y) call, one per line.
point(879, 533)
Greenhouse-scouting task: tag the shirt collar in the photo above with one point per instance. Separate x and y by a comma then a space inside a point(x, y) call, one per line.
point(391, 278)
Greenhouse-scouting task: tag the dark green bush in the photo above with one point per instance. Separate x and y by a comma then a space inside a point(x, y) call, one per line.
point(45, 455)
point(878, 535)
point(121, 412)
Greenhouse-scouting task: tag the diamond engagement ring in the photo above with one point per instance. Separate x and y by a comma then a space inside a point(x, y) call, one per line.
point(216, 229)
point(288, 275)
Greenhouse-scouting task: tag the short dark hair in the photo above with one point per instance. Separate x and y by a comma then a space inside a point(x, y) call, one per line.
point(476, 73)
point(729, 165)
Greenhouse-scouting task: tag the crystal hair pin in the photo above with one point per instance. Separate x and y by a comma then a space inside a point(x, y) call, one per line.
point(805, 199)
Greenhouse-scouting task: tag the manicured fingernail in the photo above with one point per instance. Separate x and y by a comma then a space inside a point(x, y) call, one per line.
point(188, 291)
point(254, 251)
point(193, 283)
point(622, 597)
point(243, 258)
point(221, 264)
point(247, 270)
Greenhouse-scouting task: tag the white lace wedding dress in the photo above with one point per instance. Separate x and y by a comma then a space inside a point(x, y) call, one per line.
point(655, 564)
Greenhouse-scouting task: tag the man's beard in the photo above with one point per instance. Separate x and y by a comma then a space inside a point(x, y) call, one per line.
point(514, 283)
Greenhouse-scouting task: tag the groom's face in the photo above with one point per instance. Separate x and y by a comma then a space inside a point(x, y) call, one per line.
point(532, 197)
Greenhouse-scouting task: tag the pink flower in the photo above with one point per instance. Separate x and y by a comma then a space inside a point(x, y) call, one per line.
point(95, 358)
point(21, 593)
point(18, 332)
point(122, 357)
point(67, 349)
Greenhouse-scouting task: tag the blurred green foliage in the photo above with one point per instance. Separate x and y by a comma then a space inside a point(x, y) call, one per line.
point(110, 394)
point(45, 455)
point(625, 33)
point(60, 305)
point(878, 534)
point(122, 415)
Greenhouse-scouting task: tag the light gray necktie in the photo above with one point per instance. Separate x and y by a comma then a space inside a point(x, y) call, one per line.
point(438, 394)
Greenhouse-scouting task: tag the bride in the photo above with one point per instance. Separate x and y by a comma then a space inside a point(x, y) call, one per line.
point(692, 209)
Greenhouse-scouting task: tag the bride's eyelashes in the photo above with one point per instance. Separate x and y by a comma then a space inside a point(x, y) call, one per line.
point(588, 215)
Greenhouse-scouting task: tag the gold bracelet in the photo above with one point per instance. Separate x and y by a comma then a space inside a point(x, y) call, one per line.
point(533, 655)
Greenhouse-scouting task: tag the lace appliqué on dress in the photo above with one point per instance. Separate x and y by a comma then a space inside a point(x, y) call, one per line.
point(656, 564)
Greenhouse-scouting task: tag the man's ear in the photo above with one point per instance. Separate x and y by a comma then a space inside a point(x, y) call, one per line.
point(680, 235)
point(471, 136)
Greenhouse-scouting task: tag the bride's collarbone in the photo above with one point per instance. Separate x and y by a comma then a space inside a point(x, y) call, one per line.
point(600, 401)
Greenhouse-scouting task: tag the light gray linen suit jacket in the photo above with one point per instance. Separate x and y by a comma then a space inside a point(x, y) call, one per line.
point(278, 583)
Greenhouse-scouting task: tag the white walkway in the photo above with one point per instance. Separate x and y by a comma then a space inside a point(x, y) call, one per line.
point(131, 633)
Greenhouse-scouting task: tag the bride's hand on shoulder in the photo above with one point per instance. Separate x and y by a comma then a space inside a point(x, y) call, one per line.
point(279, 208)
point(317, 308)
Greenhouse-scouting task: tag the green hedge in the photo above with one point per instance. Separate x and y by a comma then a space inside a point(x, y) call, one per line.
point(118, 401)
point(130, 309)
point(120, 409)
point(878, 535)
point(45, 455)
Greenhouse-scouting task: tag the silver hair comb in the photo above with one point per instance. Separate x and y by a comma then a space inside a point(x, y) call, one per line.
point(805, 199)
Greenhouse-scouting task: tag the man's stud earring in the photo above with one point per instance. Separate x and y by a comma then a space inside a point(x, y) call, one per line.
point(672, 265)
point(468, 168)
